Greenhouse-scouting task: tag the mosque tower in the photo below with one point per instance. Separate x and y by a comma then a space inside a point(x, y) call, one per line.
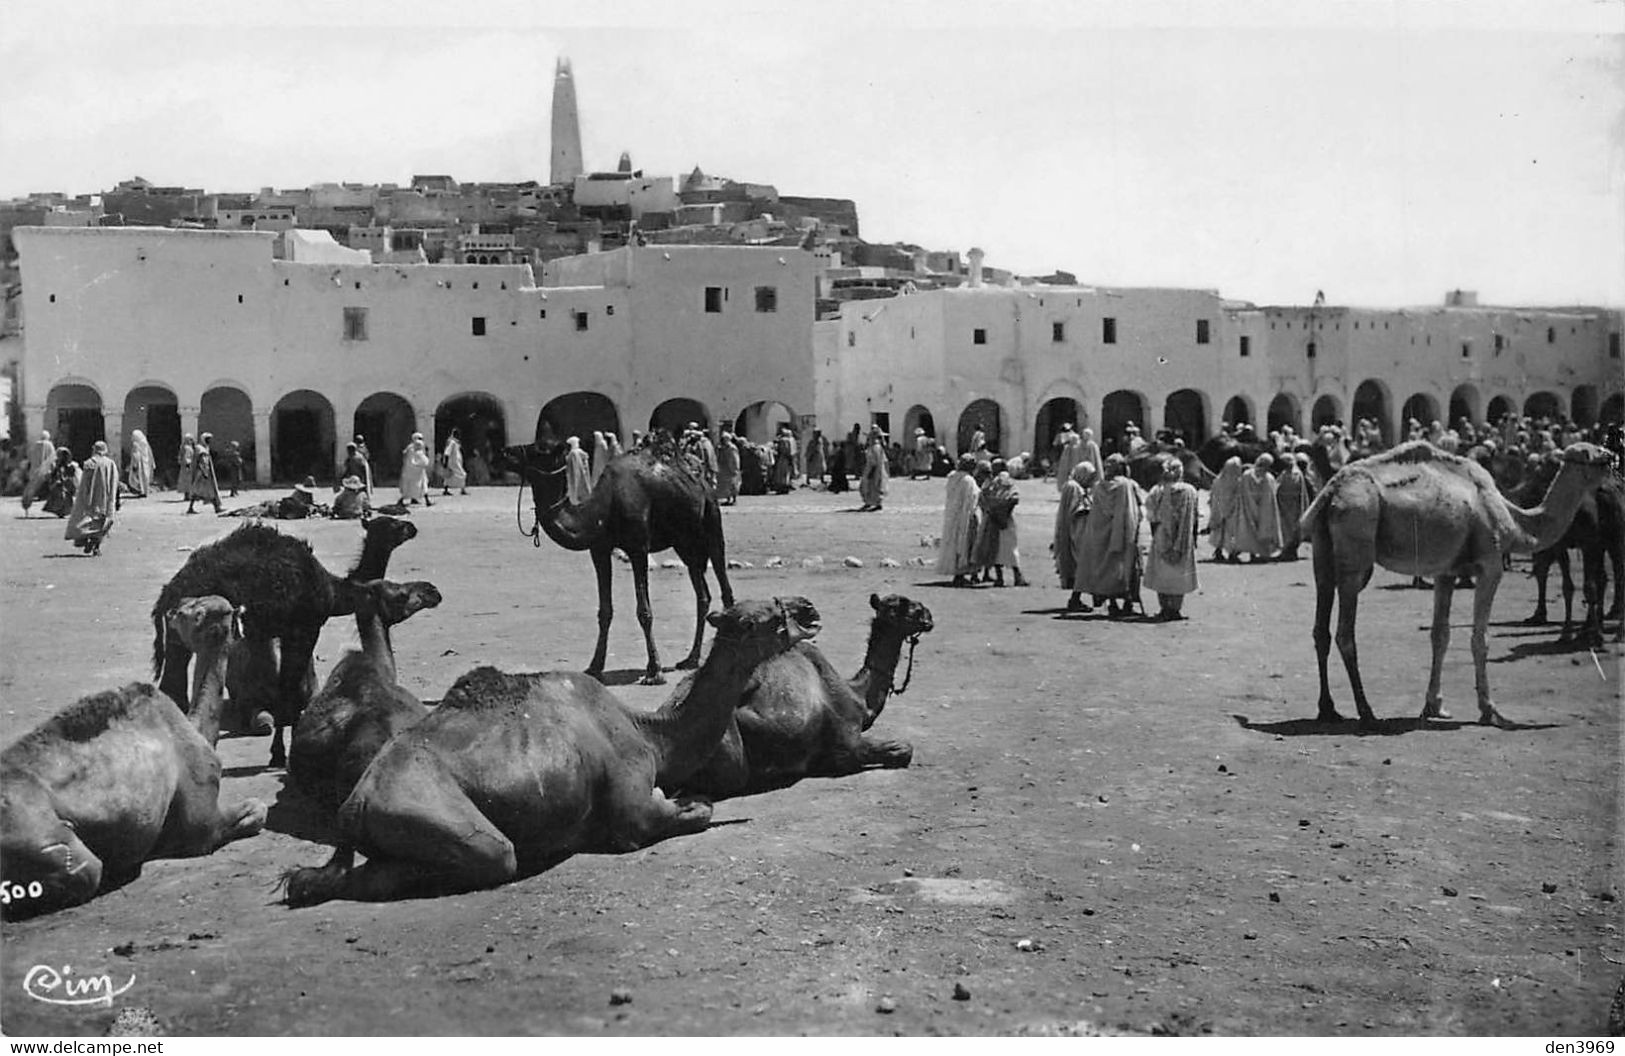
point(566, 142)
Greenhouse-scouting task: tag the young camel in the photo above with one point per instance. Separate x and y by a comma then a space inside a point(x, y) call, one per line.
point(799, 718)
point(1420, 511)
point(513, 773)
point(120, 778)
point(362, 706)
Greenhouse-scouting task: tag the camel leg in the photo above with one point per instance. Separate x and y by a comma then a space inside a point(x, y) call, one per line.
point(719, 558)
point(642, 819)
point(1444, 587)
point(1348, 601)
point(1483, 599)
point(646, 618)
point(198, 825)
point(885, 755)
point(298, 648)
point(1594, 582)
point(702, 605)
point(1567, 633)
point(1541, 566)
point(1325, 594)
point(606, 609)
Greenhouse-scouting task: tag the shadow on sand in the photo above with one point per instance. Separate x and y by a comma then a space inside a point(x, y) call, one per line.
point(1393, 727)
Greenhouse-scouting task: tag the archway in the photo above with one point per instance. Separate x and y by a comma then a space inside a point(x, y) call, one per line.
point(302, 437)
point(1238, 411)
point(675, 414)
point(155, 410)
point(73, 414)
point(228, 414)
point(986, 415)
point(1543, 405)
point(1117, 410)
point(1184, 415)
point(1463, 405)
point(1613, 410)
point(1056, 413)
point(1421, 407)
point(482, 428)
point(579, 414)
point(1500, 407)
point(759, 423)
point(919, 418)
point(1371, 401)
point(1583, 408)
point(386, 421)
point(1326, 411)
point(1283, 411)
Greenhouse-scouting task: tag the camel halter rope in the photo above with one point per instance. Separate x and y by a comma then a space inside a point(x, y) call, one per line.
point(908, 675)
point(535, 533)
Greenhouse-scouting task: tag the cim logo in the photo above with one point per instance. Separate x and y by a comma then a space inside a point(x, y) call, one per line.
point(47, 984)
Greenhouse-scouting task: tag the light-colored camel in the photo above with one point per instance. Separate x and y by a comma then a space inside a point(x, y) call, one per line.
point(361, 706)
point(120, 778)
point(799, 718)
point(513, 773)
point(1420, 511)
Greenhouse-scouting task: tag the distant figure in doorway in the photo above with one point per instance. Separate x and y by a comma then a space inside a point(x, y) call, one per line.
point(184, 460)
point(94, 502)
point(366, 460)
point(42, 459)
point(231, 466)
point(453, 473)
point(139, 480)
point(61, 483)
point(817, 458)
point(415, 473)
point(872, 485)
point(1068, 453)
point(577, 474)
point(784, 461)
point(204, 485)
point(727, 468)
point(924, 455)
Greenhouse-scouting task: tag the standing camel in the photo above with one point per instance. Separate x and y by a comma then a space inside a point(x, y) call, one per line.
point(643, 504)
point(1420, 511)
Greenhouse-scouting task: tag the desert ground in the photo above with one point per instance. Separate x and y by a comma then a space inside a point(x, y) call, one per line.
point(1108, 826)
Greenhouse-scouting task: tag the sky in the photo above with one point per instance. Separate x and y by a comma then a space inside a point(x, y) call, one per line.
point(1384, 152)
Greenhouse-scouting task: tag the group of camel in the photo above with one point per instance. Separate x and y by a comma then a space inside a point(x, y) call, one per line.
point(511, 773)
point(507, 775)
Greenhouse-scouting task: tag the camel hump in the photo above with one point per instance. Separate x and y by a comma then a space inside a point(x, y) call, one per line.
point(488, 689)
point(89, 717)
point(1414, 452)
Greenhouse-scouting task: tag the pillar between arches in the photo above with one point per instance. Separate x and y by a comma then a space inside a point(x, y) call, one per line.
point(262, 447)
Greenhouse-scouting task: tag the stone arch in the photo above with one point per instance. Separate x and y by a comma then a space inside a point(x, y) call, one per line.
point(1543, 404)
point(759, 422)
point(1057, 412)
point(673, 415)
point(226, 412)
point(153, 408)
point(1284, 411)
point(73, 414)
point(1238, 410)
point(1583, 407)
point(987, 414)
point(1371, 401)
point(1421, 406)
point(1464, 403)
point(482, 428)
point(1613, 410)
point(578, 414)
point(1327, 410)
point(1499, 408)
point(918, 417)
point(1117, 410)
point(1184, 414)
point(386, 421)
point(302, 434)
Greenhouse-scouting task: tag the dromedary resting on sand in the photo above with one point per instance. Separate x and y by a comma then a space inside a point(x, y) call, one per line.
point(119, 778)
point(361, 706)
point(286, 595)
point(513, 773)
point(643, 504)
point(1420, 511)
point(799, 718)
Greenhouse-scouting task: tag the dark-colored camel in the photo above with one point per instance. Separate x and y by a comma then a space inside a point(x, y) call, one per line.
point(514, 773)
point(1598, 532)
point(361, 706)
point(799, 718)
point(286, 593)
point(118, 779)
point(1421, 511)
point(642, 504)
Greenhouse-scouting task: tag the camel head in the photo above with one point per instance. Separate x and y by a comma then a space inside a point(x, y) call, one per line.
point(1585, 454)
point(765, 628)
point(209, 623)
point(38, 847)
point(909, 617)
point(396, 602)
point(389, 532)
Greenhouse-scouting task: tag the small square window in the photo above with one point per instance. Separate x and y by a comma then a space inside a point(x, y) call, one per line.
point(1310, 350)
point(1466, 350)
point(1246, 345)
point(1500, 344)
point(581, 320)
point(1201, 331)
point(978, 336)
point(609, 309)
point(1108, 330)
point(1057, 332)
point(851, 339)
point(1551, 335)
point(479, 326)
point(355, 324)
point(713, 298)
point(544, 313)
point(1613, 345)
point(767, 298)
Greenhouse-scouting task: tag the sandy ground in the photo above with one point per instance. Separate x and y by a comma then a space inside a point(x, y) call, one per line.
point(1117, 826)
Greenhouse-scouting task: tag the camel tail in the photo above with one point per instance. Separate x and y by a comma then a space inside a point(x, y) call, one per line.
point(1315, 514)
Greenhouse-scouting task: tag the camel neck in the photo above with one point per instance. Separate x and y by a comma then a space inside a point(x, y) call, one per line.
point(208, 691)
point(1542, 526)
point(686, 729)
point(873, 681)
point(375, 642)
point(373, 562)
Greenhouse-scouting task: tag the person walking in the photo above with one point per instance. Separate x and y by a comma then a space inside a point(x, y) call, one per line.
point(454, 475)
point(959, 518)
point(872, 485)
point(727, 468)
point(139, 480)
point(1071, 519)
point(366, 460)
point(1171, 569)
point(1068, 453)
point(204, 485)
point(42, 459)
point(230, 466)
point(415, 472)
point(577, 474)
point(94, 502)
point(184, 460)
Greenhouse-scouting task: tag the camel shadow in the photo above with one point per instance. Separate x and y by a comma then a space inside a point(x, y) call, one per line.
point(299, 814)
point(630, 676)
point(946, 583)
point(1390, 727)
point(1545, 647)
point(52, 557)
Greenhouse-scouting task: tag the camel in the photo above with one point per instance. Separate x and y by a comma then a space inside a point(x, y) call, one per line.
point(799, 718)
point(287, 595)
point(1421, 511)
point(643, 504)
point(515, 773)
point(1598, 532)
point(361, 706)
point(119, 778)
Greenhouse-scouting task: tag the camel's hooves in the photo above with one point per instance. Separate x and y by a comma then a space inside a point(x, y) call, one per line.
point(689, 664)
point(1537, 620)
point(1496, 719)
point(655, 679)
point(251, 817)
point(1329, 715)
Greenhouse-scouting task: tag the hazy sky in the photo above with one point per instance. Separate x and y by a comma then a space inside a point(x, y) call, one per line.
point(1382, 152)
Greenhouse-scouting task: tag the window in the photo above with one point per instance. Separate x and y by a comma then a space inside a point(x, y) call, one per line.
point(1466, 350)
point(851, 339)
point(479, 326)
point(544, 313)
point(1500, 343)
point(581, 320)
point(355, 324)
point(1057, 332)
point(1551, 335)
point(978, 336)
point(767, 298)
point(1613, 345)
point(1310, 350)
point(1246, 345)
point(609, 309)
point(1201, 331)
point(713, 298)
point(1108, 330)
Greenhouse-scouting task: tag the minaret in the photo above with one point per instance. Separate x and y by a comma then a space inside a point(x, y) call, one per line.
point(566, 147)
